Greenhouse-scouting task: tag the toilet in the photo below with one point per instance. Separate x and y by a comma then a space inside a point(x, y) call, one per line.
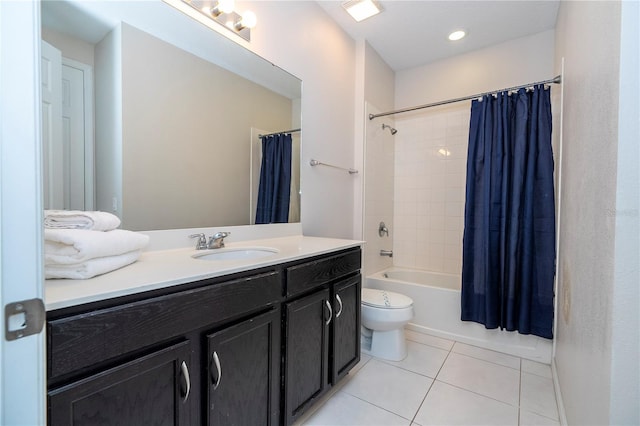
point(384, 315)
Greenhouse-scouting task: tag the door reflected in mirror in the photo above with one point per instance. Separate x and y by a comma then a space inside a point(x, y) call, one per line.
point(169, 136)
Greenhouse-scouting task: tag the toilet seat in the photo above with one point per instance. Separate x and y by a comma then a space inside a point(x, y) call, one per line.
point(385, 299)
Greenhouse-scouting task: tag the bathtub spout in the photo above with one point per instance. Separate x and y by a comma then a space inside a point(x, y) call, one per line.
point(386, 253)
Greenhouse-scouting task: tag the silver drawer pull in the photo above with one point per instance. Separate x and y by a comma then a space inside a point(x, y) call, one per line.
point(339, 305)
point(185, 374)
point(328, 305)
point(216, 361)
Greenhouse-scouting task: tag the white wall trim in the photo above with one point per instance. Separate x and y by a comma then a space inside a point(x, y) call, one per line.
point(562, 414)
point(22, 361)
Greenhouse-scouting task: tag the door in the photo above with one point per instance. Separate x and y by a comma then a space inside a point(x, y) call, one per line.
point(77, 135)
point(346, 327)
point(22, 363)
point(52, 133)
point(244, 373)
point(307, 351)
point(150, 390)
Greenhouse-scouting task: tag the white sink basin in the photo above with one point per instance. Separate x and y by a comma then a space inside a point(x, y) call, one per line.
point(241, 253)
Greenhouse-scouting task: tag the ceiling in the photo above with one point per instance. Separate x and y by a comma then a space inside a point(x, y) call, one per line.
point(408, 34)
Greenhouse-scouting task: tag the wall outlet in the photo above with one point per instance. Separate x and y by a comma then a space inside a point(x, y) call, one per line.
point(114, 204)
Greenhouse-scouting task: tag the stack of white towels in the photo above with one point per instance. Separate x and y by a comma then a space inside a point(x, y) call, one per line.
point(83, 244)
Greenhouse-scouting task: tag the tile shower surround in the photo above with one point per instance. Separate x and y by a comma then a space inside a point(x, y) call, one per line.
point(429, 189)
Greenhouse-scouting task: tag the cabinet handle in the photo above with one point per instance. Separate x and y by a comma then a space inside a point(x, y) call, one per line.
point(216, 361)
point(185, 374)
point(339, 305)
point(328, 305)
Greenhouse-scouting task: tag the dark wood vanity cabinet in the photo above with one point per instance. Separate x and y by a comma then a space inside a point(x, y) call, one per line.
point(253, 348)
point(150, 390)
point(143, 361)
point(243, 374)
point(321, 328)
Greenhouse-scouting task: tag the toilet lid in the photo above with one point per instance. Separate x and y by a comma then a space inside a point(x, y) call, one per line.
point(385, 299)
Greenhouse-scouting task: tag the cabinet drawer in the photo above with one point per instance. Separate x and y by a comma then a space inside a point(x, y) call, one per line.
point(82, 340)
point(306, 276)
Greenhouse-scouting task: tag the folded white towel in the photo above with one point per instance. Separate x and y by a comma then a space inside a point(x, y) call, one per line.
point(69, 246)
point(76, 219)
point(90, 268)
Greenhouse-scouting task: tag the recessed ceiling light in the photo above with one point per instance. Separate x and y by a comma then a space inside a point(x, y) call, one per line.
point(457, 35)
point(361, 9)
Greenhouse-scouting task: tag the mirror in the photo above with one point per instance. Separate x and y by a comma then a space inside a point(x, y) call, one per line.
point(160, 116)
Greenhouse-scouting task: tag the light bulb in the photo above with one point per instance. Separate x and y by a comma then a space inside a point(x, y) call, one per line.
point(248, 20)
point(225, 6)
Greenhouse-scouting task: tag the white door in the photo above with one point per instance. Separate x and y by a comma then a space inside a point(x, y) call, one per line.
point(77, 135)
point(22, 362)
point(52, 134)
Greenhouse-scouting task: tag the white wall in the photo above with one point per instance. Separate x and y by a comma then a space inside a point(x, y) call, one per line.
point(431, 144)
point(596, 361)
point(378, 164)
point(512, 63)
point(301, 38)
point(70, 47)
point(625, 368)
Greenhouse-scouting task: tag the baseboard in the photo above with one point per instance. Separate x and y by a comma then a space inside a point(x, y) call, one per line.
point(540, 352)
point(556, 385)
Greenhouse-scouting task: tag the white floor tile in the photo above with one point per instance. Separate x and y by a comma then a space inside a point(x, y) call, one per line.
point(538, 396)
point(486, 378)
point(389, 387)
point(347, 410)
point(449, 405)
point(487, 355)
point(536, 368)
point(427, 339)
point(532, 419)
point(422, 359)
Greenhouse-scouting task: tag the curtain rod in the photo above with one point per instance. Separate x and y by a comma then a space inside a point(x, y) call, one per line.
point(278, 133)
point(555, 80)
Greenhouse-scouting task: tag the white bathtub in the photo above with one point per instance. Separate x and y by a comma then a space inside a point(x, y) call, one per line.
point(436, 303)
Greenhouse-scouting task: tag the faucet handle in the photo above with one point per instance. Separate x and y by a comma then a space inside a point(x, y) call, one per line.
point(217, 239)
point(202, 241)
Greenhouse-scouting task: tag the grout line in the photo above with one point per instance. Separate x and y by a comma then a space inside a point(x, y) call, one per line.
point(422, 402)
point(477, 393)
point(490, 362)
point(519, 392)
point(377, 406)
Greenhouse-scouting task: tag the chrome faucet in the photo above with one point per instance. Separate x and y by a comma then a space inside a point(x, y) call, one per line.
point(202, 241)
point(217, 240)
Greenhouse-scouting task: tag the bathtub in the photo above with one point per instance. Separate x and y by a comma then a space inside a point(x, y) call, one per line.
point(436, 303)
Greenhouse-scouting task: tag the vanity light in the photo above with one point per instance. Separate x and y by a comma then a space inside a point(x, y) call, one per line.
point(222, 12)
point(248, 20)
point(223, 6)
point(457, 35)
point(361, 9)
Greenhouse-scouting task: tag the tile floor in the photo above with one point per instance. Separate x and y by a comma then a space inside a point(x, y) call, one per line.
point(441, 382)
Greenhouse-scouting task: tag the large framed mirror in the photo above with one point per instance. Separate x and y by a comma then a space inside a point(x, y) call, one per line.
point(156, 117)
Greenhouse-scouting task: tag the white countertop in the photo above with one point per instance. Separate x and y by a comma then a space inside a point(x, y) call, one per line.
point(165, 268)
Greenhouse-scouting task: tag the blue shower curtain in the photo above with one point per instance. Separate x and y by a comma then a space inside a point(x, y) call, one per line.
point(508, 262)
point(274, 191)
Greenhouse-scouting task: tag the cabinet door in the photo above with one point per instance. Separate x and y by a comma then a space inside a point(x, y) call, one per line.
point(306, 364)
point(244, 372)
point(150, 390)
point(346, 327)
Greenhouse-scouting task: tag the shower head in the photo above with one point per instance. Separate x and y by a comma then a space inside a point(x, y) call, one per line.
point(391, 129)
